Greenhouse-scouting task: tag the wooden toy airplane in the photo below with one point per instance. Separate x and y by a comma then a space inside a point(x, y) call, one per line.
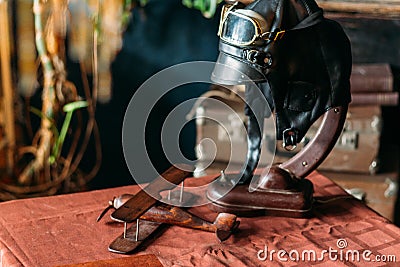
point(147, 214)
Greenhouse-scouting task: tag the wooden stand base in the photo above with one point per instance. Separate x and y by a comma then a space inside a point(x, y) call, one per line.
point(278, 193)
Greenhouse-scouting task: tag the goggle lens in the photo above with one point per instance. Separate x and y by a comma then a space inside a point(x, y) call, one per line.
point(238, 30)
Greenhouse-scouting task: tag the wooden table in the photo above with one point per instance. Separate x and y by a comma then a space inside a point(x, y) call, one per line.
point(59, 230)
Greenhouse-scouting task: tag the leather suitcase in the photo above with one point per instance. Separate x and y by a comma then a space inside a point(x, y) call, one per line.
point(226, 130)
point(377, 191)
point(356, 150)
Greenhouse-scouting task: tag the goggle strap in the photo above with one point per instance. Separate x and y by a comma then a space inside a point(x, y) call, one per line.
point(273, 36)
point(250, 55)
point(279, 35)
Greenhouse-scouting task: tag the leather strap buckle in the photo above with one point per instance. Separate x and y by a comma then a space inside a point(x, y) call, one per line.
point(290, 139)
point(251, 55)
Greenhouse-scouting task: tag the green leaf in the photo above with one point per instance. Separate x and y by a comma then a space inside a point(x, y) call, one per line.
point(70, 107)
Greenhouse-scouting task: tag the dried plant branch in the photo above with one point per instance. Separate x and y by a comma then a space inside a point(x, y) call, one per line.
point(48, 102)
point(50, 167)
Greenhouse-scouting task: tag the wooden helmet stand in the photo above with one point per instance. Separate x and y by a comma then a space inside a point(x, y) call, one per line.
point(282, 191)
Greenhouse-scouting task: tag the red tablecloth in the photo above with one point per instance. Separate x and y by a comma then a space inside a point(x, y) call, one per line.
point(63, 230)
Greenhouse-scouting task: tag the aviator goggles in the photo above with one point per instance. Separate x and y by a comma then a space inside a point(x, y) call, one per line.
point(243, 27)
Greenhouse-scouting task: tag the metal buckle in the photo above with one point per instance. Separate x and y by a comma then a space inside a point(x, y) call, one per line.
point(251, 55)
point(289, 139)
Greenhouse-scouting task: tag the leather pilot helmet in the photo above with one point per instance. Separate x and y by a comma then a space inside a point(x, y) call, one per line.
point(300, 60)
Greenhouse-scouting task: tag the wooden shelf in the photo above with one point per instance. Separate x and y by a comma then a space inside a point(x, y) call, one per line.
point(385, 8)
